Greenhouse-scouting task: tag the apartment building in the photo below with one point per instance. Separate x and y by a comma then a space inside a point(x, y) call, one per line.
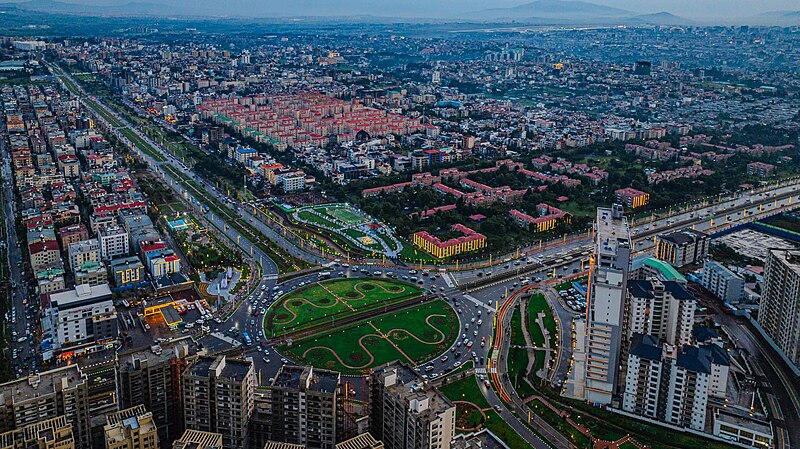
point(596, 362)
point(218, 397)
point(91, 274)
point(81, 252)
point(83, 316)
point(672, 385)
point(113, 242)
point(54, 433)
point(661, 309)
point(152, 377)
point(632, 198)
point(61, 392)
point(683, 247)
point(196, 439)
point(131, 428)
point(779, 311)
point(306, 407)
point(722, 282)
point(404, 413)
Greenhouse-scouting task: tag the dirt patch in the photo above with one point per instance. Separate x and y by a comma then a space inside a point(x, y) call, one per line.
point(356, 358)
point(282, 317)
point(468, 416)
point(324, 301)
point(367, 287)
point(352, 295)
point(297, 303)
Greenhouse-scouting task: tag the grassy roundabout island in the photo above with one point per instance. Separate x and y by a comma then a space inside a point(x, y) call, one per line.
point(369, 335)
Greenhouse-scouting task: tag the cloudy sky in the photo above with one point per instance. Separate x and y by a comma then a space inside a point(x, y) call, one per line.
point(693, 9)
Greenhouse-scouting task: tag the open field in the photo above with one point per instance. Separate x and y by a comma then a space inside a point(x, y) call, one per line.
point(413, 336)
point(332, 300)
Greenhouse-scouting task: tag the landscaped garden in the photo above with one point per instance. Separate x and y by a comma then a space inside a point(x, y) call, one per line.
point(333, 300)
point(414, 336)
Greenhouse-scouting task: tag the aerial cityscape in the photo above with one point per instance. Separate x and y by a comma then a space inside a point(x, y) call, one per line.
point(363, 224)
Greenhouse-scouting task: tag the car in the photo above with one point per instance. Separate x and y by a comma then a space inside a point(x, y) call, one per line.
point(429, 368)
point(434, 375)
point(255, 313)
point(252, 322)
point(283, 360)
point(498, 408)
point(474, 333)
point(487, 383)
point(456, 365)
point(444, 358)
point(472, 320)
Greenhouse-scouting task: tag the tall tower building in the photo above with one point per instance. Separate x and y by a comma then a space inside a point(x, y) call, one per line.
point(196, 439)
point(54, 433)
point(218, 397)
point(152, 377)
point(405, 413)
point(306, 407)
point(40, 397)
point(779, 311)
point(594, 375)
point(132, 428)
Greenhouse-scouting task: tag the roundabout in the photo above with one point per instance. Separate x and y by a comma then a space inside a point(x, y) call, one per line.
point(352, 325)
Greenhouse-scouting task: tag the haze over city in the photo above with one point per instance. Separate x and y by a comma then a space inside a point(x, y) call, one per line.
point(711, 11)
point(412, 224)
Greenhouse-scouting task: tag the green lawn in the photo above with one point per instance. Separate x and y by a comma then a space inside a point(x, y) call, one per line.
point(534, 307)
point(334, 299)
point(316, 219)
point(344, 215)
point(580, 440)
point(537, 304)
point(374, 342)
point(467, 390)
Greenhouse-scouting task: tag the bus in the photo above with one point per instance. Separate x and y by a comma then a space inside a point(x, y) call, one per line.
point(325, 275)
point(246, 338)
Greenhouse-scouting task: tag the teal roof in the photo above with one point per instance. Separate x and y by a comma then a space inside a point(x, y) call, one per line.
point(668, 271)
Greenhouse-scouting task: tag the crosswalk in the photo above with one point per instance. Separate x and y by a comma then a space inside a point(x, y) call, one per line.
point(480, 370)
point(448, 279)
point(271, 277)
point(478, 302)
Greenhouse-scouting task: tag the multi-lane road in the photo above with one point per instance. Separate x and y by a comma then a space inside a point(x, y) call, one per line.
point(539, 264)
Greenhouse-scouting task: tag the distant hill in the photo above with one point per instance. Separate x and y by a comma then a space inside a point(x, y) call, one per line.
point(661, 18)
point(781, 18)
point(126, 9)
point(567, 10)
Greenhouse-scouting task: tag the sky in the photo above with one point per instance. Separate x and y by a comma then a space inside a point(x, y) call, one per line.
point(691, 9)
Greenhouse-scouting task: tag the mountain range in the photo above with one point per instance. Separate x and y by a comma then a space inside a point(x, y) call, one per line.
point(556, 12)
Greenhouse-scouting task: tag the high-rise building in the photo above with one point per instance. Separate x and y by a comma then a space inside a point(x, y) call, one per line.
point(132, 428)
point(218, 397)
point(779, 311)
point(664, 310)
point(54, 433)
point(83, 317)
point(51, 394)
point(597, 361)
point(306, 407)
point(152, 377)
point(683, 247)
point(722, 282)
point(673, 385)
point(197, 439)
point(404, 413)
point(261, 419)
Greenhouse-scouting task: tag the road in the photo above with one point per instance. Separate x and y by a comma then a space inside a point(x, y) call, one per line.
point(568, 256)
point(783, 385)
point(24, 351)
